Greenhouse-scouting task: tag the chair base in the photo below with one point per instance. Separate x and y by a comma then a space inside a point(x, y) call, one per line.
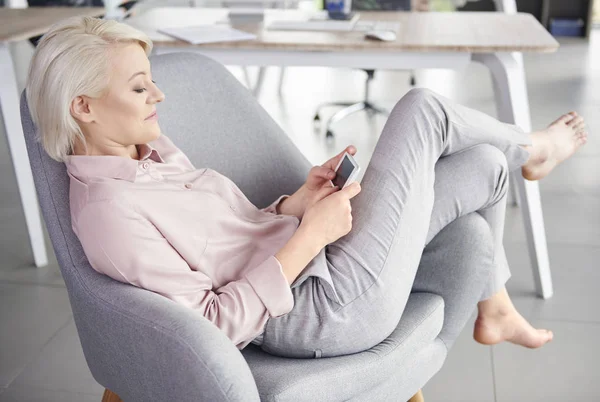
point(349, 108)
point(418, 397)
point(110, 396)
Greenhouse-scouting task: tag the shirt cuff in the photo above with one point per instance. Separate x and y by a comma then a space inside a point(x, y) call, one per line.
point(272, 287)
point(273, 207)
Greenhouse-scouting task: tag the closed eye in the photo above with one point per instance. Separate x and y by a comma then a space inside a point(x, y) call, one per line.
point(141, 90)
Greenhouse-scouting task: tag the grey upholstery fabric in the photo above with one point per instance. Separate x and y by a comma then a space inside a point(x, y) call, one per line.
point(145, 347)
point(342, 378)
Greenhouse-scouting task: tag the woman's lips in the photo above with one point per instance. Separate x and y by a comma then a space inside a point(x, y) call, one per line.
point(153, 116)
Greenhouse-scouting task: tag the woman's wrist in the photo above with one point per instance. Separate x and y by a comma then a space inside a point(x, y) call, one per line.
point(292, 205)
point(295, 255)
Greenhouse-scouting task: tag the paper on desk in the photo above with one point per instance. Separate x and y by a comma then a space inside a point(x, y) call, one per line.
point(207, 34)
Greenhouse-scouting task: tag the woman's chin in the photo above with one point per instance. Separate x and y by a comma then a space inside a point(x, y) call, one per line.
point(155, 137)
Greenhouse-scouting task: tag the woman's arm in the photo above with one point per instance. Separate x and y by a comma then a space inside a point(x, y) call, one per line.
point(124, 245)
point(324, 222)
point(298, 252)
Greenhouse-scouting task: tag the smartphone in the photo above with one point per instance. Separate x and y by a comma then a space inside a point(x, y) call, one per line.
point(346, 171)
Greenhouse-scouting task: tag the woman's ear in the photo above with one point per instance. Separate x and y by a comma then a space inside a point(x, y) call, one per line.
point(80, 109)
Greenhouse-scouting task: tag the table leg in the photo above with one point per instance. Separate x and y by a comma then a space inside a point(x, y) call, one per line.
point(260, 79)
point(9, 103)
point(506, 6)
point(513, 107)
point(509, 7)
point(281, 79)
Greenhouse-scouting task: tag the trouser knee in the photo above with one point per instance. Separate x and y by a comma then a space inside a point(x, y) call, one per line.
point(489, 162)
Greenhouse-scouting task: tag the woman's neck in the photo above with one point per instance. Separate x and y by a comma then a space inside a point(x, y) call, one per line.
point(130, 151)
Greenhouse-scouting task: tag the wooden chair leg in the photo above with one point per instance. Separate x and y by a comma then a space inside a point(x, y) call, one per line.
point(418, 397)
point(110, 396)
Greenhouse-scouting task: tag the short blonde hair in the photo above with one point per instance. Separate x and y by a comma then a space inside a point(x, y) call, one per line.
point(72, 60)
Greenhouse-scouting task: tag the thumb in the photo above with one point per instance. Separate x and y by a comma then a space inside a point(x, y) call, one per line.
point(352, 190)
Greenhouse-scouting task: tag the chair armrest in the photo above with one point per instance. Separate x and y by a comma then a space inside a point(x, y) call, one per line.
point(145, 347)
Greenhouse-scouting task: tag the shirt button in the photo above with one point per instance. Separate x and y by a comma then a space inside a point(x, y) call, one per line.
point(232, 208)
point(188, 186)
point(145, 165)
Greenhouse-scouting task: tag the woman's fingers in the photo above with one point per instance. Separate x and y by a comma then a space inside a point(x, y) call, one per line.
point(323, 193)
point(322, 172)
point(318, 175)
point(326, 191)
point(333, 162)
point(352, 190)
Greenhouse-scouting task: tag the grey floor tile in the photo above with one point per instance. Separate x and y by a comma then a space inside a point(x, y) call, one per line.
point(30, 316)
point(29, 274)
point(575, 176)
point(564, 370)
point(466, 375)
point(17, 263)
point(568, 218)
point(575, 276)
point(60, 366)
point(29, 394)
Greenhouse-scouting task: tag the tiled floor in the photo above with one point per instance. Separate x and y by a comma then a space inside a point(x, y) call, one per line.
point(40, 354)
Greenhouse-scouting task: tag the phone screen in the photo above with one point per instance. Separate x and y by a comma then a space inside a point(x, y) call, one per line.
point(343, 173)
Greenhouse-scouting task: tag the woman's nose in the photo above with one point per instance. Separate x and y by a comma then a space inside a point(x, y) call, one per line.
point(158, 95)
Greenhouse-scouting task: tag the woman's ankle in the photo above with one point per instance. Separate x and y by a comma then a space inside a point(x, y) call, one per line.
point(497, 305)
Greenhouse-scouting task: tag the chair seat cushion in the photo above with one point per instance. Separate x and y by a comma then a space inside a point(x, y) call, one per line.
point(339, 378)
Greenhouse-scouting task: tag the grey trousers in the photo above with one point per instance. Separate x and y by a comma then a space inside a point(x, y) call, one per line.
point(430, 218)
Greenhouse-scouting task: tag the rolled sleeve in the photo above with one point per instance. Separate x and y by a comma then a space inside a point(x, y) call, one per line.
point(273, 207)
point(271, 286)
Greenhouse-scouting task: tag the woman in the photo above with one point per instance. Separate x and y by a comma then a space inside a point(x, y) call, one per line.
point(146, 216)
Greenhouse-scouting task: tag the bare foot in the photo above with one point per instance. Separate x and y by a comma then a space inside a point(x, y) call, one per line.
point(553, 145)
point(511, 327)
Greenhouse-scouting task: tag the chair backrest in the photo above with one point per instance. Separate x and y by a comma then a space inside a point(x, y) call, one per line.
point(218, 124)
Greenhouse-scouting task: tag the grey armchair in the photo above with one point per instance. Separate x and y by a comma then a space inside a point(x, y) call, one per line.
point(144, 347)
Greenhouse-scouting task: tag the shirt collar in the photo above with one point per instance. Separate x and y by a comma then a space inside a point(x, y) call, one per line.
point(85, 167)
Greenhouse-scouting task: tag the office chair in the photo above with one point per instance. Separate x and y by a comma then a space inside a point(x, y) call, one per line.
point(365, 104)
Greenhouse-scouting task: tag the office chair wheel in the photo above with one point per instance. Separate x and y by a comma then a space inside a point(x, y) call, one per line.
point(317, 117)
point(329, 134)
point(413, 81)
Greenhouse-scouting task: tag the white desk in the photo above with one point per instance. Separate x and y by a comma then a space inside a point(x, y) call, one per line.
point(426, 40)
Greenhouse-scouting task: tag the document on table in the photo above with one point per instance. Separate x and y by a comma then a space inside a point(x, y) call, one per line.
point(207, 34)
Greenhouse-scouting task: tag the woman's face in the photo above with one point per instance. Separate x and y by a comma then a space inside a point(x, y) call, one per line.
point(126, 114)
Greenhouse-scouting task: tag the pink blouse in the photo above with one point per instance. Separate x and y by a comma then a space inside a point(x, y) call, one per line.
point(185, 233)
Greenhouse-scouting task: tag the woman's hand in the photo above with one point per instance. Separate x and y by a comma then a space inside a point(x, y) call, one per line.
point(311, 192)
point(331, 217)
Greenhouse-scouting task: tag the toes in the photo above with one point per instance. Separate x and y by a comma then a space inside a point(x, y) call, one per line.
point(547, 335)
point(579, 126)
point(575, 121)
point(565, 118)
